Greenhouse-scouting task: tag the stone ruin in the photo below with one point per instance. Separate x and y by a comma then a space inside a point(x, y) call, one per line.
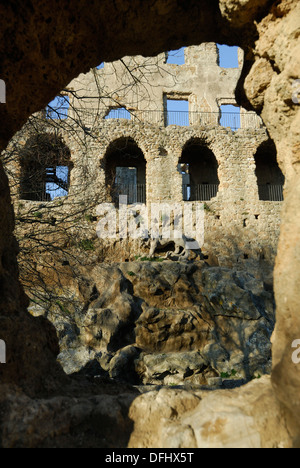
point(42, 50)
point(70, 162)
point(130, 143)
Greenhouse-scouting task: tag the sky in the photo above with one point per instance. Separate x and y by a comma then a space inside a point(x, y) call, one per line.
point(52, 189)
point(228, 56)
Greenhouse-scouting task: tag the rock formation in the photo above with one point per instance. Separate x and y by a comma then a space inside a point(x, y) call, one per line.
point(164, 323)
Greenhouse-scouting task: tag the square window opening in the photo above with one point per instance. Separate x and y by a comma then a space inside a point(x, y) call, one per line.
point(177, 112)
point(119, 113)
point(228, 56)
point(230, 117)
point(58, 108)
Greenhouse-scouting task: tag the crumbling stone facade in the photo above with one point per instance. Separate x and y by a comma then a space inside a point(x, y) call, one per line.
point(241, 219)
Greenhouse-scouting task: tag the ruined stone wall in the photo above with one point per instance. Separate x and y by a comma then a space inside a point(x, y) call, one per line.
point(207, 86)
point(142, 85)
point(240, 229)
point(238, 225)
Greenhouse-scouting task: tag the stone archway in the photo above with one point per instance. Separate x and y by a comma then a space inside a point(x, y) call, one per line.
point(200, 171)
point(45, 168)
point(270, 179)
point(125, 171)
point(50, 49)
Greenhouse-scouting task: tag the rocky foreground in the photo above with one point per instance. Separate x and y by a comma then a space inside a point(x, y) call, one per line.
point(164, 323)
point(156, 354)
point(106, 416)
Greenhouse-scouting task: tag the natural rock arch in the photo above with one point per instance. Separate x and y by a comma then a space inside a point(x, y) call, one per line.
point(50, 49)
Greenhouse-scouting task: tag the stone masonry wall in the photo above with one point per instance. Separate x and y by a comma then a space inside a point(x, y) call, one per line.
point(240, 229)
point(141, 84)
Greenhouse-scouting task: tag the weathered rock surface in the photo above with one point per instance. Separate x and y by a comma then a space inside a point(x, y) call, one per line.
point(176, 369)
point(69, 420)
point(109, 417)
point(164, 323)
point(248, 417)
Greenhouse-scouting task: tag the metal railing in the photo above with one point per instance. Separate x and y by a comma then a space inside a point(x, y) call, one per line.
point(179, 118)
point(136, 193)
point(121, 113)
point(270, 192)
point(230, 120)
point(91, 117)
point(60, 113)
point(45, 194)
point(201, 192)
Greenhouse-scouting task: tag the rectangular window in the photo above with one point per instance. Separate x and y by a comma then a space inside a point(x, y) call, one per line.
point(58, 108)
point(186, 182)
point(57, 181)
point(230, 117)
point(228, 56)
point(126, 183)
point(177, 112)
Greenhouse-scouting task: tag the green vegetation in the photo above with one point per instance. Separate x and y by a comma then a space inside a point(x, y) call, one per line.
point(148, 259)
point(258, 376)
point(86, 245)
point(227, 375)
point(63, 308)
point(208, 209)
point(138, 258)
point(89, 218)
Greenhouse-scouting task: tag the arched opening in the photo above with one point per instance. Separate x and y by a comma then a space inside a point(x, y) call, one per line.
point(45, 168)
point(199, 169)
point(125, 171)
point(270, 179)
